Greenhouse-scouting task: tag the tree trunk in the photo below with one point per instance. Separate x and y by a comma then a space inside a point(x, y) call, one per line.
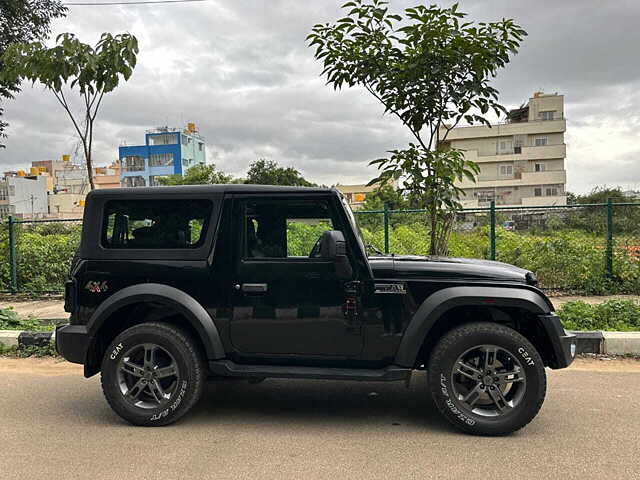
point(87, 155)
point(433, 245)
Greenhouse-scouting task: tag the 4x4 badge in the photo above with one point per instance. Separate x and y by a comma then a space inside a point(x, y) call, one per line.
point(96, 287)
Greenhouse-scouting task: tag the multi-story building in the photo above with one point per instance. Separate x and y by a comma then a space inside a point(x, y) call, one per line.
point(107, 177)
point(521, 161)
point(23, 196)
point(165, 152)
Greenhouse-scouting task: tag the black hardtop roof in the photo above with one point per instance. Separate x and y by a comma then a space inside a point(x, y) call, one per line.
point(204, 189)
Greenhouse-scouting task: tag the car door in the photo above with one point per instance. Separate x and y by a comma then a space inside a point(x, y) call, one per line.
point(286, 302)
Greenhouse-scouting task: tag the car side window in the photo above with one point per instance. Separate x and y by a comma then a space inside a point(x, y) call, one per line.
point(155, 224)
point(284, 229)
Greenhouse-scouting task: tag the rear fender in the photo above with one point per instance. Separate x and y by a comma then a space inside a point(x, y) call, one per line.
point(174, 299)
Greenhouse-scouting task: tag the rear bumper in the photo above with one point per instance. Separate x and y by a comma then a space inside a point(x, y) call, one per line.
point(72, 342)
point(563, 343)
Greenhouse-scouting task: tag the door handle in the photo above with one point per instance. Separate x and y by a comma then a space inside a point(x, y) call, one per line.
point(254, 287)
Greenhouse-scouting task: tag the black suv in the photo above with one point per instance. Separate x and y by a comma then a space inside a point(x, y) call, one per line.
point(172, 285)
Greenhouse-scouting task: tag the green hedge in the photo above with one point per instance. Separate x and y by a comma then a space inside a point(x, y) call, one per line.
point(612, 315)
point(568, 260)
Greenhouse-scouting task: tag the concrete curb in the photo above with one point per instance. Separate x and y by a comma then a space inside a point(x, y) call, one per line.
point(21, 338)
point(613, 343)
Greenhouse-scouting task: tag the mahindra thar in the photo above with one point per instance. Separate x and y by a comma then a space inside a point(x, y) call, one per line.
point(172, 285)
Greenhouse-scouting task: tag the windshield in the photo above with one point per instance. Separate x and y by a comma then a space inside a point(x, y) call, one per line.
point(354, 223)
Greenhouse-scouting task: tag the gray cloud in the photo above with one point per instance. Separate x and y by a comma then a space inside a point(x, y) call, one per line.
point(240, 69)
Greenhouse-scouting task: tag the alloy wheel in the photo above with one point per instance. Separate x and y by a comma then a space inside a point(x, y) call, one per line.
point(488, 380)
point(147, 376)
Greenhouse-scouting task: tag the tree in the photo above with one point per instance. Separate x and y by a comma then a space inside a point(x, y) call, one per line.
point(268, 172)
point(72, 65)
point(198, 175)
point(23, 21)
point(431, 69)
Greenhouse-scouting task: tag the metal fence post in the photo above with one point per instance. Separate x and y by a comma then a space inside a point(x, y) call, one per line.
point(492, 230)
point(12, 256)
point(386, 227)
point(609, 254)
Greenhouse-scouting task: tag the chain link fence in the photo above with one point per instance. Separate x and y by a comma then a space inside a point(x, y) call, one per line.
point(587, 248)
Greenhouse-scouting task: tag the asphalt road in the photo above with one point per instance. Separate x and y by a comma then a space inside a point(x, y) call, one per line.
point(55, 424)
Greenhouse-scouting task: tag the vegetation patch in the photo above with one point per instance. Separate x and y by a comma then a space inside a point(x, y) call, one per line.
point(612, 315)
point(10, 320)
point(26, 352)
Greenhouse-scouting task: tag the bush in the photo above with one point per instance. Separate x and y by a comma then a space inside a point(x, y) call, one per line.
point(44, 252)
point(564, 259)
point(9, 320)
point(612, 315)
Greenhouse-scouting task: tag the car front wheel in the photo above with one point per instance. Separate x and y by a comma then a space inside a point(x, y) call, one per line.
point(152, 374)
point(486, 379)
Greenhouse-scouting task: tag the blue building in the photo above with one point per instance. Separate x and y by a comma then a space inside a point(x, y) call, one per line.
point(166, 151)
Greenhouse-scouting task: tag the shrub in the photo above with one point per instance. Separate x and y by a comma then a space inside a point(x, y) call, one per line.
point(612, 315)
point(9, 320)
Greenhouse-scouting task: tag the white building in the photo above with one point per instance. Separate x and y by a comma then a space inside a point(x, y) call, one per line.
point(521, 161)
point(24, 197)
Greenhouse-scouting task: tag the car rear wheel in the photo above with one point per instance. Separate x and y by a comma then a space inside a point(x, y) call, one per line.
point(152, 374)
point(486, 379)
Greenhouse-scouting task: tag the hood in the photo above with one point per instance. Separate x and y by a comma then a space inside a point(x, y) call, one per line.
point(447, 268)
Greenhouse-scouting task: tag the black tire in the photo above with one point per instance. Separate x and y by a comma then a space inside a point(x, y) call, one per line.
point(171, 382)
point(525, 395)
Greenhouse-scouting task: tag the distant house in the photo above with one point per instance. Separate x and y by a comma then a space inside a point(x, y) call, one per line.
point(356, 194)
point(522, 161)
point(23, 196)
point(166, 151)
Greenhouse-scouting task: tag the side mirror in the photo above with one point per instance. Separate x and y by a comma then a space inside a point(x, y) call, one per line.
point(333, 246)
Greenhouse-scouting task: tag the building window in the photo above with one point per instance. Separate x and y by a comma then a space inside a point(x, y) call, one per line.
point(506, 170)
point(200, 146)
point(540, 167)
point(547, 115)
point(184, 139)
point(551, 192)
point(537, 192)
point(136, 181)
point(165, 139)
point(542, 141)
point(133, 163)
point(485, 196)
point(161, 160)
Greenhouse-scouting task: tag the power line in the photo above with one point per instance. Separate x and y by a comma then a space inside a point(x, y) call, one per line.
point(136, 2)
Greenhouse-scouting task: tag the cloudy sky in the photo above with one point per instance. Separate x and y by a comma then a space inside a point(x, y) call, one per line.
point(241, 71)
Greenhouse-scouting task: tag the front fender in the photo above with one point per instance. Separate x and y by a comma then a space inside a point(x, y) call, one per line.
point(173, 298)
point(444, 300)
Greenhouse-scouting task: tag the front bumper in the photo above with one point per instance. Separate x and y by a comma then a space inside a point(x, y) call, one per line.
point(72, 342)
point(563, 343)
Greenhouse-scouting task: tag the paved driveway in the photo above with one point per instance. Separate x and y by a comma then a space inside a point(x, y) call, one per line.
point(55, 424)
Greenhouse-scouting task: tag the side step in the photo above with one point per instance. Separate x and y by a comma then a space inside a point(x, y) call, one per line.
point(231, 369)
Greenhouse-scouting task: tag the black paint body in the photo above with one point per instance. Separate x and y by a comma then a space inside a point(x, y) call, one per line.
point(307, 316)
